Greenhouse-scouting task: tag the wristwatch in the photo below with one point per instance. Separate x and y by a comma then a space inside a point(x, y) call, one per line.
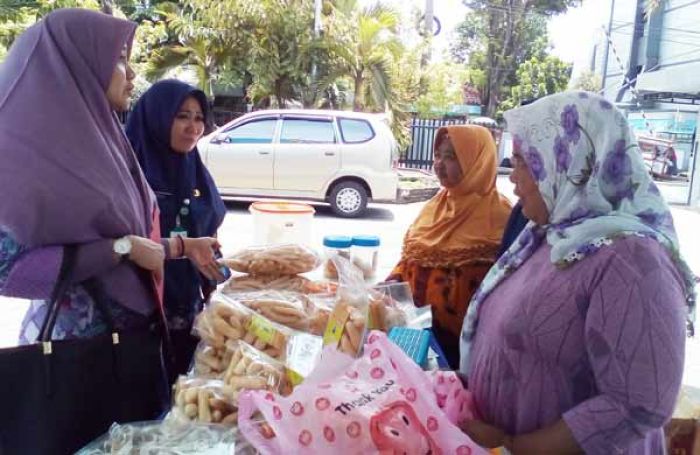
point(122, 246)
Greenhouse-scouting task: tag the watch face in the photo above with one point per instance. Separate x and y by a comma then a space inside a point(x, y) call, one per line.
point(122, 246)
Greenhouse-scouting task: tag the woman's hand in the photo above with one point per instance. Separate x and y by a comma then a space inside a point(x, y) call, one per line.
point(201, 252)
point(147, 254)
point(485, 435)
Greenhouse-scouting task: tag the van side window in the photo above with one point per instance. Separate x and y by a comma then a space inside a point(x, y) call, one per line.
point(355, 130)
point(255, 132)
point(307, 131)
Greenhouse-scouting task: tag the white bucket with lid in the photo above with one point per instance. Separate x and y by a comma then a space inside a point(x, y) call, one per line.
point(278, 222)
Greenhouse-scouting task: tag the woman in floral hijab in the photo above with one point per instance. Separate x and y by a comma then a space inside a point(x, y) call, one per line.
point(575, 339)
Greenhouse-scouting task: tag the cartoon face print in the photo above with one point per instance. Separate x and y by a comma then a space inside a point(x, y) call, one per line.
point(397, 430)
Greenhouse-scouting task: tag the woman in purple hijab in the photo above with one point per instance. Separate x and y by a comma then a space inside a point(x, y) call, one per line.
point(70, 177)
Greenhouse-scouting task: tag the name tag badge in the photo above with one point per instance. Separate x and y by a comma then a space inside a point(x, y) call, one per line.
point(178, 233)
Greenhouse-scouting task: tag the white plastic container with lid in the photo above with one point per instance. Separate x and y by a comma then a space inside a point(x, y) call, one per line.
point(335, 245)
point(282, 222)
point(365, 254)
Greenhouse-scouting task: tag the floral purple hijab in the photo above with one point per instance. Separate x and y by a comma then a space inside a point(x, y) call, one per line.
point(589, 170)
point(67, 172)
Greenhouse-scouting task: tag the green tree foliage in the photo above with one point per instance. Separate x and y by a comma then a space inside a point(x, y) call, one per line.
point(197, 37)
point(17, 15)
point(588, 81)
point(499, 35)
point(445, 83)
point(536, 78)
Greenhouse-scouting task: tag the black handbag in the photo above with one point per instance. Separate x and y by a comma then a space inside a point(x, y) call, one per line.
point(59, 395)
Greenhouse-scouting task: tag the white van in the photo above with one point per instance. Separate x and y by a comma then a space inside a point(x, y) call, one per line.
point(343, 158)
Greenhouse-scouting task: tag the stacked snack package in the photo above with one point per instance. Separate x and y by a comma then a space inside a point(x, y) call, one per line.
point(262, 332)
point(204, 401)
point(274, 268)
point(360, 308)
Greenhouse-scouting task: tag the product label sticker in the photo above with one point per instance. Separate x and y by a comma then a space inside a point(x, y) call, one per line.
point(336, 325)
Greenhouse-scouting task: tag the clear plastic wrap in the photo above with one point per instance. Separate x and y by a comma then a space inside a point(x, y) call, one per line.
point(291, 309)
point(294, 283)
point(391, 305)
point(210, 362)
point(205, 401)
point(171, 438)
point(288, 259)
point(252, 369)
point(360, 307)
point(347, 323)
point(226, 319)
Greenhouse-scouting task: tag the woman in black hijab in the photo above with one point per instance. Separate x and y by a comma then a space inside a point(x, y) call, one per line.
point(164, 127)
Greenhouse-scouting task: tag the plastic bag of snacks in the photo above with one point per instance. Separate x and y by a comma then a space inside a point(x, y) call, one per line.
point(226, 319)
point(294, 283)
point(292, 309)
point(204, 400)
point(380, 403)
point(358, 309)
point(391, 305)
point(277, 260)
point(346, 328)
point(284, 308)
point(173, 438)
point(210, 362)
point(251, 369)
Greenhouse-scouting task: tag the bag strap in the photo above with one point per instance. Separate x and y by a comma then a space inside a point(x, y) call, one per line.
point(63, 283)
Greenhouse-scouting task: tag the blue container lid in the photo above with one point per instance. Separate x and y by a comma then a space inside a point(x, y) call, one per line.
point(337, 241)
point(366, 240)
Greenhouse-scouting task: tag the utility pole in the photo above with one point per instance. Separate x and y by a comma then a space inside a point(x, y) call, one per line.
point(317, 33)
point(607, 47)
point(317, 17)
point(428, 42)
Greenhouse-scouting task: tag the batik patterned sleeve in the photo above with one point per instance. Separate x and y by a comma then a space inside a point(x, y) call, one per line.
point(635, 335)
point(32, 273)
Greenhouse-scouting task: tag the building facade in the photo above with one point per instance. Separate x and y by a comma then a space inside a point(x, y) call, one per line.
point(648, 61)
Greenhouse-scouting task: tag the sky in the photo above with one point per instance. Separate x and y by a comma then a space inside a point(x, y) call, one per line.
point(571, 34)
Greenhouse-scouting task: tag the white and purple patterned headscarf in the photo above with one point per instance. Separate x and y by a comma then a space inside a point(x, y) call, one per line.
point(590, 172)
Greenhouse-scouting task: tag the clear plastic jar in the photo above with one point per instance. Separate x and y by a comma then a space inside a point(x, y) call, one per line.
point(335, 245)
point(365, 254)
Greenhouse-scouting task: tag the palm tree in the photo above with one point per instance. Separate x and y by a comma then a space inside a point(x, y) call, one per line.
point(368, 45)
point(205, 48)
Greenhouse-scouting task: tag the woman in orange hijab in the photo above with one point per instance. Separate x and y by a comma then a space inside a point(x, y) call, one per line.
point(455, 239)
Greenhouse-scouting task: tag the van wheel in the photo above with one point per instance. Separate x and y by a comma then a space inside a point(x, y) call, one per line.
point(348, 199)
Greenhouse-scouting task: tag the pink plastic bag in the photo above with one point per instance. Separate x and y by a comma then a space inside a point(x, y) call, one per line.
point(381, 402)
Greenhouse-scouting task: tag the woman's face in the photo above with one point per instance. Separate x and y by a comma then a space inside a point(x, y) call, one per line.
point(121, 86)
point(446, 165)
point(188, 126)
point(534, 207)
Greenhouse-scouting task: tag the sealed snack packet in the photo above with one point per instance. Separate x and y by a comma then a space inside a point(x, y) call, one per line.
point(210, 362)
point(294, 283)
point(380, 403)
point(204, 400)
point(346, 328)
point(169, 437)
point(226, 319)
point(252, 369)
point(284, 308)
point(288, 259)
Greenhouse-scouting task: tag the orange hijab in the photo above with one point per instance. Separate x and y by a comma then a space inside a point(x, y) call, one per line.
point(463, 224)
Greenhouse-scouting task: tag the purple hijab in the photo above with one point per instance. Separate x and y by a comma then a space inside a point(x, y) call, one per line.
point(67, 172)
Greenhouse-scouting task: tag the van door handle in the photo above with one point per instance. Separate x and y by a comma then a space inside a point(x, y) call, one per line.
point(329, 153)
point(263, 153)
